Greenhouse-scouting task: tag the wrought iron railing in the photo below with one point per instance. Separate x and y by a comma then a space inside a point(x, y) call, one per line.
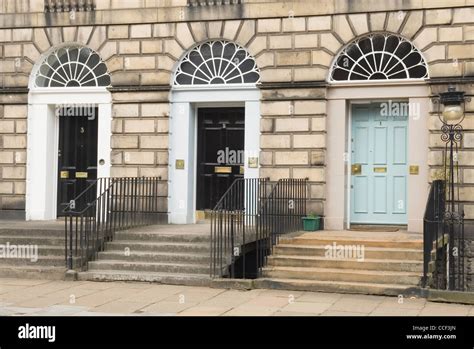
point(248, 220)
point(68, 5)
point(213, 2)
point(443, 243)
point(106, 206)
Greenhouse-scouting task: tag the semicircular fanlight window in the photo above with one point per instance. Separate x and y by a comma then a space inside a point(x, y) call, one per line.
point(217, 63)
point(72, 67)
point(379, 57)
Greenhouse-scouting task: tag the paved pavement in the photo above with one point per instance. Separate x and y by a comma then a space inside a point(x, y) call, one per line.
point(84, 298)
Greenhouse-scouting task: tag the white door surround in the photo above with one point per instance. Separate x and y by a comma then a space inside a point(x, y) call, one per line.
point(185, 102)
point(42, 148)
point(340, 98)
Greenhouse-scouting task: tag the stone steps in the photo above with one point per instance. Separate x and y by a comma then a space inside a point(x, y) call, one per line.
point(389, 265)
point(50, 241)
point(166, 254)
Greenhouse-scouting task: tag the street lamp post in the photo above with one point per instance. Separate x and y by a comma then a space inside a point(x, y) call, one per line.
point(451, 105)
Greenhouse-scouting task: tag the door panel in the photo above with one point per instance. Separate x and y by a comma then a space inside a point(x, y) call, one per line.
point(380, 194)
point(361, 197)
point(399, 194)
point(400, 145)
point(361, 145)
point(77, 153)
point(219, 153)
point(379, 146)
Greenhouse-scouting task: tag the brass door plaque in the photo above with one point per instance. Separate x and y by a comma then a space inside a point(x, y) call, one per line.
point(380, 169)
point(253, 162)
point(356, 169)
point(414, 169)
point(81, 174)
point(222, 169)
point(64, 174)
point(179, 165)
point(242, 170)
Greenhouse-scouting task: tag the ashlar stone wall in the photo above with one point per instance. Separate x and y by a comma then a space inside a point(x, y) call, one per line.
point(294, 54)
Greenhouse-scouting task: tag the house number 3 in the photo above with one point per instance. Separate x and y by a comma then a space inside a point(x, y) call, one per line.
point(82, 130)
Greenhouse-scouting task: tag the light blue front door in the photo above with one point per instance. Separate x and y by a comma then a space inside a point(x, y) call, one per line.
point(379, 164)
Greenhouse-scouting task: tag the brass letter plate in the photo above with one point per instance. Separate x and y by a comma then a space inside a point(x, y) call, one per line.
point(380, 169)
point(179, 165)
point(414, 169)
point(64, 174)
point(81, 174)
point(222, 169)
point(356, 169)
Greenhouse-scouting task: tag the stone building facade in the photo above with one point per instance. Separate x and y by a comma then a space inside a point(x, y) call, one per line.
point(300, 113)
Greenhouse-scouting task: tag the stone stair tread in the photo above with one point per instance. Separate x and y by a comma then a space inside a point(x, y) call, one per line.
point(313, 258)
point(32, 267)
point(12, 236)
point(132, 272)
point(342, 270)
point(161, 243)
point(55, 247)
point(188, 229)
point(126, 275)
point(349, 287)
point(118, 261)
point(368, 248)
point(40, 256)
point(161, 234)
point(168, 232)
point(345, 283)
point(148, 253)
point(354, 239)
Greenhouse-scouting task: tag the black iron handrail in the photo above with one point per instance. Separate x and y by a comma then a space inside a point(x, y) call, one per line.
point(247, 221)
point(104, 207)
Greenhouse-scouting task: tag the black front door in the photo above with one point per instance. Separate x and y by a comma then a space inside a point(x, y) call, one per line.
point(77, 154)
point(220, 153)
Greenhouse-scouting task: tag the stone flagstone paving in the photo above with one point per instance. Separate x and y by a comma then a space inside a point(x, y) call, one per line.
point(20, 297)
